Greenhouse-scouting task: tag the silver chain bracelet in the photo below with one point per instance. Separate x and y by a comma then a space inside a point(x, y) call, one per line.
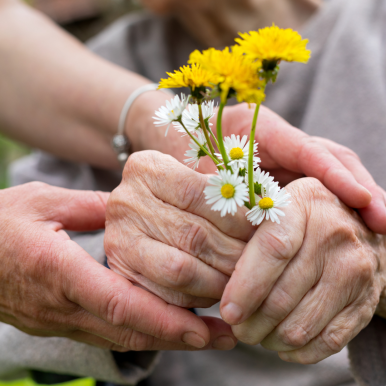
point(120, 142)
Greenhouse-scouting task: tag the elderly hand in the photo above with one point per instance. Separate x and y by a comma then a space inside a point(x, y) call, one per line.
point(288, 153)
point(161, 234)
point(49, 286)
point(306, 287)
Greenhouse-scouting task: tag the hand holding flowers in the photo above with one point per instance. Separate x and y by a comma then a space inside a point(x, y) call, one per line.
point(222, 73)
point(241, 72)
point(194, 260)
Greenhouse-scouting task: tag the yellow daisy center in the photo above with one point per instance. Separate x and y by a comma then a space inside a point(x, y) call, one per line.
point(236, 153)
point(266, 203)
point(228, 191)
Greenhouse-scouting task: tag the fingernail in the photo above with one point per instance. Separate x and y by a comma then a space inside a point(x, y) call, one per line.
point(224, 343)
point(193, 339)
point(368, 191)
point(232, 313)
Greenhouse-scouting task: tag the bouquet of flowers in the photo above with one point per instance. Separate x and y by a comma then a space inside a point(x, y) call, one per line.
point(242, 72)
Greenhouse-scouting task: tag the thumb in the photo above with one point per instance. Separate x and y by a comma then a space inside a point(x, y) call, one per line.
point(77, 210)
point(113, 299)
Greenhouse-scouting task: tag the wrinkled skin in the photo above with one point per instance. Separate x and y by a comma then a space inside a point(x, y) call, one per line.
point(312, 283)
point(288, 153)
point(319, 277)
point(161, 235)
point(52, 287)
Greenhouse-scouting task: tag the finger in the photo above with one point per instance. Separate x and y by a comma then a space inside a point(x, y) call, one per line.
point(170, 296)
point(282, 145)
point(263, 260)
point(115, 300)
point(282, 299)
point(74, 209)
point(96, 341)
point(337, 334)
point(171, 268)
point(312, 314)
point(292, 149)
point(221, 337)
point(374, 214)
point(309, 318)
point(184, 231)
point(316, 161)
point(184, 190)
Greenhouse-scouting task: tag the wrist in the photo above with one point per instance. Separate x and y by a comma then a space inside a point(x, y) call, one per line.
point(142, 132)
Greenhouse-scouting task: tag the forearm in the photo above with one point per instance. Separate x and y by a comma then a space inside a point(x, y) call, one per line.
point(58, 96)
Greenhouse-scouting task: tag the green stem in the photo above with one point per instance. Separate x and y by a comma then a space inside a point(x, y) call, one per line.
point(252, 200)
point(220, 139)
point(203, 126)
point(215, 160)
point(214, 137)
point(247, 205)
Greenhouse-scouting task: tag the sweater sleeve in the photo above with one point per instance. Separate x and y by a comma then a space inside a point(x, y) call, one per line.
point(367, 353)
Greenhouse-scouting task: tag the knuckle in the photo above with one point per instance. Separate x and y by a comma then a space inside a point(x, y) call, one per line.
point(244, 333)
point(297, 337)
point(36, 192)
point(191, 188)
point(343, 234)
point(146, 163)
point(161, 325)
point(280, 246)
point(179, 270)
point(192, 237)
point(139, 342)
point(368, 310)
point(35, 186)
point(365, 269)
point(134, 163)
point(334, 342)
point(348, 153)
point(361, 269)
point(116, 308)
point(277, 307)
point(315, 190)
point(119, 207)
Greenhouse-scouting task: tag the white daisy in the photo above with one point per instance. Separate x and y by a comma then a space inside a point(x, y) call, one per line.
point(228, 192)
point(260, 178)
point(172, 112)
point(272, 198)
point(191, 118)
point(238, 151)
point(195, 152)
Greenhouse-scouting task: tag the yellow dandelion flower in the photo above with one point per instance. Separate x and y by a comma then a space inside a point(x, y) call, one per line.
point(274, 44)
point(236, 73)
point(193, 76)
